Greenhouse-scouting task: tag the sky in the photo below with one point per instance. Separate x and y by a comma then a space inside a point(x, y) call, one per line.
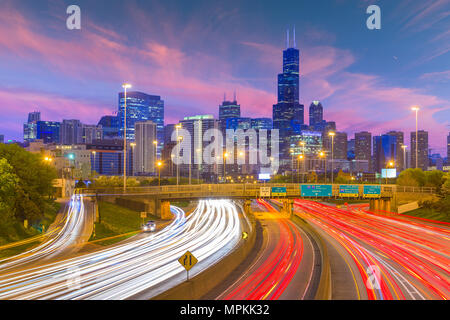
point(193, 52)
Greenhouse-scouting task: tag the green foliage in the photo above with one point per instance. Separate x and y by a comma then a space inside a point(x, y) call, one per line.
point(33, 182)
point(412, 177)
point(434, 179)
point(446, 185)
point(281, 179)
point(8, 187)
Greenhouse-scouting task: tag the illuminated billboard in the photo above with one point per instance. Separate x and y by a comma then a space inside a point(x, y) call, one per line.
point(389, 173)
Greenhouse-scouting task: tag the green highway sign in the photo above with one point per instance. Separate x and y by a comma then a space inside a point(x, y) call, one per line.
point(349, 190)
point(316, 190)
point(372, 191)
point(279, 191)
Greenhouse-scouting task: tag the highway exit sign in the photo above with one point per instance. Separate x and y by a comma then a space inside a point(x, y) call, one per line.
point(264, 192)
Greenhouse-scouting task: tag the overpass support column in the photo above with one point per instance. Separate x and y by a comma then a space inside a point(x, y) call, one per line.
point(248, 206)
point(165, 210)
point(386, 204)
point(374, 204)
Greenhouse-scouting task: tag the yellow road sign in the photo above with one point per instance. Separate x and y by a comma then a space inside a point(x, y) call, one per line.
point(244, 235)
point(188, 260)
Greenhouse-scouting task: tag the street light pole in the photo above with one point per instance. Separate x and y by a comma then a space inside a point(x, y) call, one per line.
point(416, 109)
point(332, 134)
point(404, 156)
point(178, 126)
point(125, 86)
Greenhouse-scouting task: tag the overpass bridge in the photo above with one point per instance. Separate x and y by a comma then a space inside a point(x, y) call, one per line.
point(157, 199)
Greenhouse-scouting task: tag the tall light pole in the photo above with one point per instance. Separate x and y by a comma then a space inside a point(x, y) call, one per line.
point(332, 134)
point(159, 164)
point(416, 109)
point(303, 144)
point(179, 139)
point(390, 164)
point(92, 171)
point(125, 86)
point(292, 165)
point(323, 155)
point(300, 157)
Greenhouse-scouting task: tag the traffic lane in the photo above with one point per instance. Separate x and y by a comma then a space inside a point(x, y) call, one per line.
point(282, 269)
point(402, 273)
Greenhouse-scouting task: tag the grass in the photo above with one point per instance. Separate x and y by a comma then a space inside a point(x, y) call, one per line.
point(428, 213)
point(15, 232)
point(116, 223)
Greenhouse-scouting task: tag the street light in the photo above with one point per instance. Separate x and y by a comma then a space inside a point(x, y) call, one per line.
point(93, 153)
point(332, 134)
point(323, 155)
point(159, 164)
point(300, 157)
point(416, 109)
point(179, 138)
point(125, 86)
point(390, 164)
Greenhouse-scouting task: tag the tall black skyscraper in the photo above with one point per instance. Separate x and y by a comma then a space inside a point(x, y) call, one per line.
point(228, 110)
point(288, 113)
point(315, 113)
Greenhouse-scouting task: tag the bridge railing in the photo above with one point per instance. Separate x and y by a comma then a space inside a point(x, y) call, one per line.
point(292, 189)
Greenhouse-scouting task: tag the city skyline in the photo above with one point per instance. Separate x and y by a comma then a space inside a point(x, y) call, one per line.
point(344, 75)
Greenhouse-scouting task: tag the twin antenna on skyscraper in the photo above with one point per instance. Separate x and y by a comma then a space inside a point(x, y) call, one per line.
point(288, 40)
point(225, 96)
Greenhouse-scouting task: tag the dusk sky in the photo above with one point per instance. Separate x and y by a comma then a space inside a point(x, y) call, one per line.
point(192, 52)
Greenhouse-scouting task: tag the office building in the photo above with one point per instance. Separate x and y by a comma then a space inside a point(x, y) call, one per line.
point(110, 127)
point(315, 113)
point(48, 131)
point(107, 157)
point(422, 149)
point(340, 146)
point(144, 151)
point(141, 107)
point(30, 128)
point(400, 160)
point(261, 124)
point(91, 132)
point(288, 113)
point(384, 152)
point(448, 148)
point(71, 132)
point(363, 147)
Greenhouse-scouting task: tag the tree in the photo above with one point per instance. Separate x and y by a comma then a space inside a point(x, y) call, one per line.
point(434, 179)
point(411, 177)
point(35, 181)
point(342, 177)
point(9, 184)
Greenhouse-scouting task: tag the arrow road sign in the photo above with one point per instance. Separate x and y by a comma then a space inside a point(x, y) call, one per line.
point(188, 260)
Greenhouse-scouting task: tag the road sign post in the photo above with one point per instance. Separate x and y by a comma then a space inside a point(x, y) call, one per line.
point(188, 260)
point(143, 216)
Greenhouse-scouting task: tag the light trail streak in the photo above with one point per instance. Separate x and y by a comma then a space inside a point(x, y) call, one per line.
point(129, 268)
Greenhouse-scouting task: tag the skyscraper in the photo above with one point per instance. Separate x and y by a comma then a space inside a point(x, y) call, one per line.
point(48, 131)
point(144, 153)
point(340, 146)
point(384, 151)
point(315, 113)
point(197, 126)
point(363, 147)
point(71, 132)
point(30, 128)
point(140, 108)
point(228, 110)
point(288, 113)
point(110, 127)
point(422, 149)
point(91, 132)
point(399, 161)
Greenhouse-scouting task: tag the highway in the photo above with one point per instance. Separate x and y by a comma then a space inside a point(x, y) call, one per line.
point(284, 266)
point(134, 269)
point(382, 256)
point(63, 238)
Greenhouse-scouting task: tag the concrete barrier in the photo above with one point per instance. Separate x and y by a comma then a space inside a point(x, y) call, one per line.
point(201, 284)
point(408, 207)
